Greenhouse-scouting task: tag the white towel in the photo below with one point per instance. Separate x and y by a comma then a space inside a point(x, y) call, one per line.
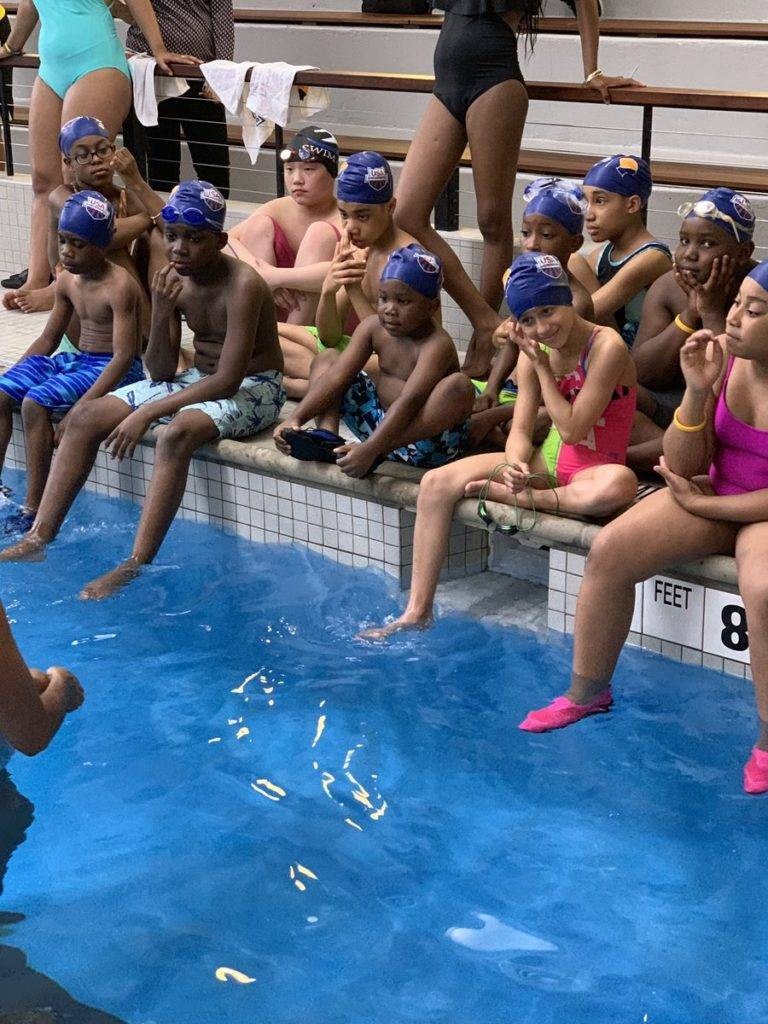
point(227, 80)
point(149, 88)
point(270, 99)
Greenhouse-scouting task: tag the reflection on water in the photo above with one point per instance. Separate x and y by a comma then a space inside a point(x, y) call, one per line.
point(26, 996)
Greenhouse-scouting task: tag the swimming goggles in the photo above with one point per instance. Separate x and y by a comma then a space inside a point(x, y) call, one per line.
point(191, 215)
point(307, 152)
point(706, 208)
point(572, 196)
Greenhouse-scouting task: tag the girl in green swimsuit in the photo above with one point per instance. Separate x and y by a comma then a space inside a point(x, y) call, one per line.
point(83, 70)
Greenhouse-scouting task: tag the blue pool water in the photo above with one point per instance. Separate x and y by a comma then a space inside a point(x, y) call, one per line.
point(460, 871)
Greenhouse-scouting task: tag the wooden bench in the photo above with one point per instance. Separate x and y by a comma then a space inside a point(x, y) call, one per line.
point(542, 161)
point(659, 28)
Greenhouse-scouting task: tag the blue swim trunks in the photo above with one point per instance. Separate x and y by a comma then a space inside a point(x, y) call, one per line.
point(362, 412)
point(57, 382)
point(254, 407)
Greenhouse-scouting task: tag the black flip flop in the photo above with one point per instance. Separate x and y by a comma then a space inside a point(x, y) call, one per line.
point(313, 445)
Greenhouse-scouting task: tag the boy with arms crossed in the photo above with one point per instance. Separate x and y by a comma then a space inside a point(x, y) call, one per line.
point(233, 391)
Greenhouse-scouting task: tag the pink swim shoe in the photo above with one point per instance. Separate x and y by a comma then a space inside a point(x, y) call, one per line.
point(563, 711)
point(756, 772)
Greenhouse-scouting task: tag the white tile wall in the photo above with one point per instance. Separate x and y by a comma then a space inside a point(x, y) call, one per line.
point(350, 530)
point(683, 621)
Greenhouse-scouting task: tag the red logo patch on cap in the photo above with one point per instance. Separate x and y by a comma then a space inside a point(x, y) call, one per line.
point(743, 207)
point(427, 263)
point(213, 199)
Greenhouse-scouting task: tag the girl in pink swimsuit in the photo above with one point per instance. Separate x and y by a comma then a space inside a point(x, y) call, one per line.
point(716, 466)
point(585, 377)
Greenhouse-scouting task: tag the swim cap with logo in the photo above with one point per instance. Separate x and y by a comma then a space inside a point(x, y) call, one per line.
point(561, 201)
point(725, 208)
point(80, 128)
point(416, 267)
point(365, 178)
point(535, 279)
point(90, 216)
point(623, 174)
point(196, 204)
point(313, 146)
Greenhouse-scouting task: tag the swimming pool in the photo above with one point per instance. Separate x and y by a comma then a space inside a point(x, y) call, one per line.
point(361, 830)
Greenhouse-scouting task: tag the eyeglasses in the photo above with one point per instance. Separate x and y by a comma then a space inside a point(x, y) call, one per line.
point(706, 208)
point(192, 216)
point(84, 156)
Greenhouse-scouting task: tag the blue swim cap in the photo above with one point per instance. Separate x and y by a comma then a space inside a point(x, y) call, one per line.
point(419, 269)
point(197, 204)
point(760, 274)
point(80, 128)
point(729, 210)
point(622, 174)
point(90, 216)
point(365, 178)
point(536, 280)
point(561, 201)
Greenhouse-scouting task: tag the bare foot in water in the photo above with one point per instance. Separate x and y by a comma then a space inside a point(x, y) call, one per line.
point(28, 549)
point(110, 582)
point(36, 300)
point(408, 620)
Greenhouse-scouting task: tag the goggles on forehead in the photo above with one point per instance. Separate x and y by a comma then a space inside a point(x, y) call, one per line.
point(706, 208)
point(307, 152)
point(193, 217)
point(558, 190)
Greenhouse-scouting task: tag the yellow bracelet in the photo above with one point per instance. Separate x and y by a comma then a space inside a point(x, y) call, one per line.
point(683, 326)
point(686, 429)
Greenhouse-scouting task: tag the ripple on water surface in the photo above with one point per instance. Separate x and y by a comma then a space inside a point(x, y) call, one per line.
point(256, 817)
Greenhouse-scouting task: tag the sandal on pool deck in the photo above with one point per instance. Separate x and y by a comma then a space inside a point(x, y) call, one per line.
point(315, 445)
point(563, 711)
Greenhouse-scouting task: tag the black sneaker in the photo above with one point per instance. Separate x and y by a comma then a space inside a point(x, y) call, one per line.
point(15, 280)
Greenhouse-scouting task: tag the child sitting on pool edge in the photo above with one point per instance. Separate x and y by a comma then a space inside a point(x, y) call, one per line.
point(89, 155)
point(290, 240)
point(618, 274)
point(365, 195)
point(715, 464)
point(711, 260)
point(418, 411)
point(234, 390)
point(553, 224)
point(106, 299)
point(585, 377)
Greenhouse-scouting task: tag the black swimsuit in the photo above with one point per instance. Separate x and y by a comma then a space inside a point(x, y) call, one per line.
point(476, 50)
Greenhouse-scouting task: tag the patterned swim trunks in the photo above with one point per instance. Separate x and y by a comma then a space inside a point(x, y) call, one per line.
point(362, 412)
point(254, 407)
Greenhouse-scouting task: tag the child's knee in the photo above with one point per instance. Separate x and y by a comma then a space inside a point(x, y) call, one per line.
point(177, 438)
point(32, 411)
point(753, 587)
point(621, 489)
point(460, 391)
point(319, 242)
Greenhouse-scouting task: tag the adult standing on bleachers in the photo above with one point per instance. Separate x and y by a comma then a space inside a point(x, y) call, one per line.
point(83, 71)
point(205, 28)
point(480, 98)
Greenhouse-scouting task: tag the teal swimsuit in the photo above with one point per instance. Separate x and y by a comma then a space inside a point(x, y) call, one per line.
point(76, 37)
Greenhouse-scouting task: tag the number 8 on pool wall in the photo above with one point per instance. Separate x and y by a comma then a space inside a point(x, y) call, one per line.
point(725, 626)
point(734, 635)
